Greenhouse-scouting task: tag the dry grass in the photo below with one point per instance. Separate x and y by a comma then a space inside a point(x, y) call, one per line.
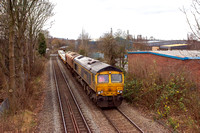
point(23, 118)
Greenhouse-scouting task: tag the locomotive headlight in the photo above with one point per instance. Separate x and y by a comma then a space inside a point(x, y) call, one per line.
point(119, 91)
point(99, 92)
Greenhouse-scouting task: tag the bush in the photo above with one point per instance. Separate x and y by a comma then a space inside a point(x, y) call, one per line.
point(41, 44)
point(169, 95)
point(38, 67)
point(131, 94)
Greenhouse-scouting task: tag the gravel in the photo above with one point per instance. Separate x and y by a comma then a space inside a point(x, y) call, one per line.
point(146, 124)
point(49, 118)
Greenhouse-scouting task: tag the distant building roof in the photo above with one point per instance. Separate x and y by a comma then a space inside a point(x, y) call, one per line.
point(176, 54)
point(159, 43)
point(173, 45)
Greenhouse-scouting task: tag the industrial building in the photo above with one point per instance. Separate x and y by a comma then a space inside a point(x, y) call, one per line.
point(167, 62)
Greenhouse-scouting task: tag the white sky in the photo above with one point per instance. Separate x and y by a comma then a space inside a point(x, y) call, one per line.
point(161, 19)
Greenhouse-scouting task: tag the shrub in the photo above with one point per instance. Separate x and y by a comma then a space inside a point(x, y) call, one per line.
point(38, 67)
point(168, 95)
point(41, 44)
point(131, 94)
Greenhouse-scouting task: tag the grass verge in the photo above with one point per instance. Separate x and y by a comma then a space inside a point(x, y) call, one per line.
point(24, 119)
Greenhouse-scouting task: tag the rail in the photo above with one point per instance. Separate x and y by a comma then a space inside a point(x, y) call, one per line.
point(76, 103)
point(59, 99)
point(117, 126)
point(133, 123)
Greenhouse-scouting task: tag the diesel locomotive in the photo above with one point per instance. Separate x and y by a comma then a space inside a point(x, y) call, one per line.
point(102, 82)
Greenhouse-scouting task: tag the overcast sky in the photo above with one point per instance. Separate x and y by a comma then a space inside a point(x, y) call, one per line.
point(161, 19)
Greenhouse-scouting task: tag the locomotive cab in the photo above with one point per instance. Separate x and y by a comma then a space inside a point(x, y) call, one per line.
point(109, 88)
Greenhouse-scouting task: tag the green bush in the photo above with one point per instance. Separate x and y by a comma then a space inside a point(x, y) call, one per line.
point(41, 44)
point(166, 98)
point(131, 94)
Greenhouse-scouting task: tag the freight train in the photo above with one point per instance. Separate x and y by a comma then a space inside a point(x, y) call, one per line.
point(103, 83)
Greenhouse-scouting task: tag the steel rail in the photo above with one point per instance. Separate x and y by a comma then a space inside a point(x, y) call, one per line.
point(72, 116)
point(133, 123)
point(59, 99)
point(64, 76)
point(110, 121)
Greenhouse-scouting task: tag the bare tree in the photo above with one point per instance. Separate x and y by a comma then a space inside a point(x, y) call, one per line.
point(24, 20)
point(109, 48)
point(193, 17)
point(193, 41)
point(122, 41)
point(71, 46)
point(84, 40)
point(41, 12)
point(4, 53)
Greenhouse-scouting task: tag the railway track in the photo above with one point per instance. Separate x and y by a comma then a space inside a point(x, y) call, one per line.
point(120, 121)
point(72, 117)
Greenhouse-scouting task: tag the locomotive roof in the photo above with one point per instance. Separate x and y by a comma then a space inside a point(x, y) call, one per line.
point(95, 66)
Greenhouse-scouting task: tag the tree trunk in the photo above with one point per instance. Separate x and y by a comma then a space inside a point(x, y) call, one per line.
point(21, 70)
point(3, 66)
point(27, 56)
point(12, 83)
point(21, 44)
point(31, 55)
point(11, 60)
